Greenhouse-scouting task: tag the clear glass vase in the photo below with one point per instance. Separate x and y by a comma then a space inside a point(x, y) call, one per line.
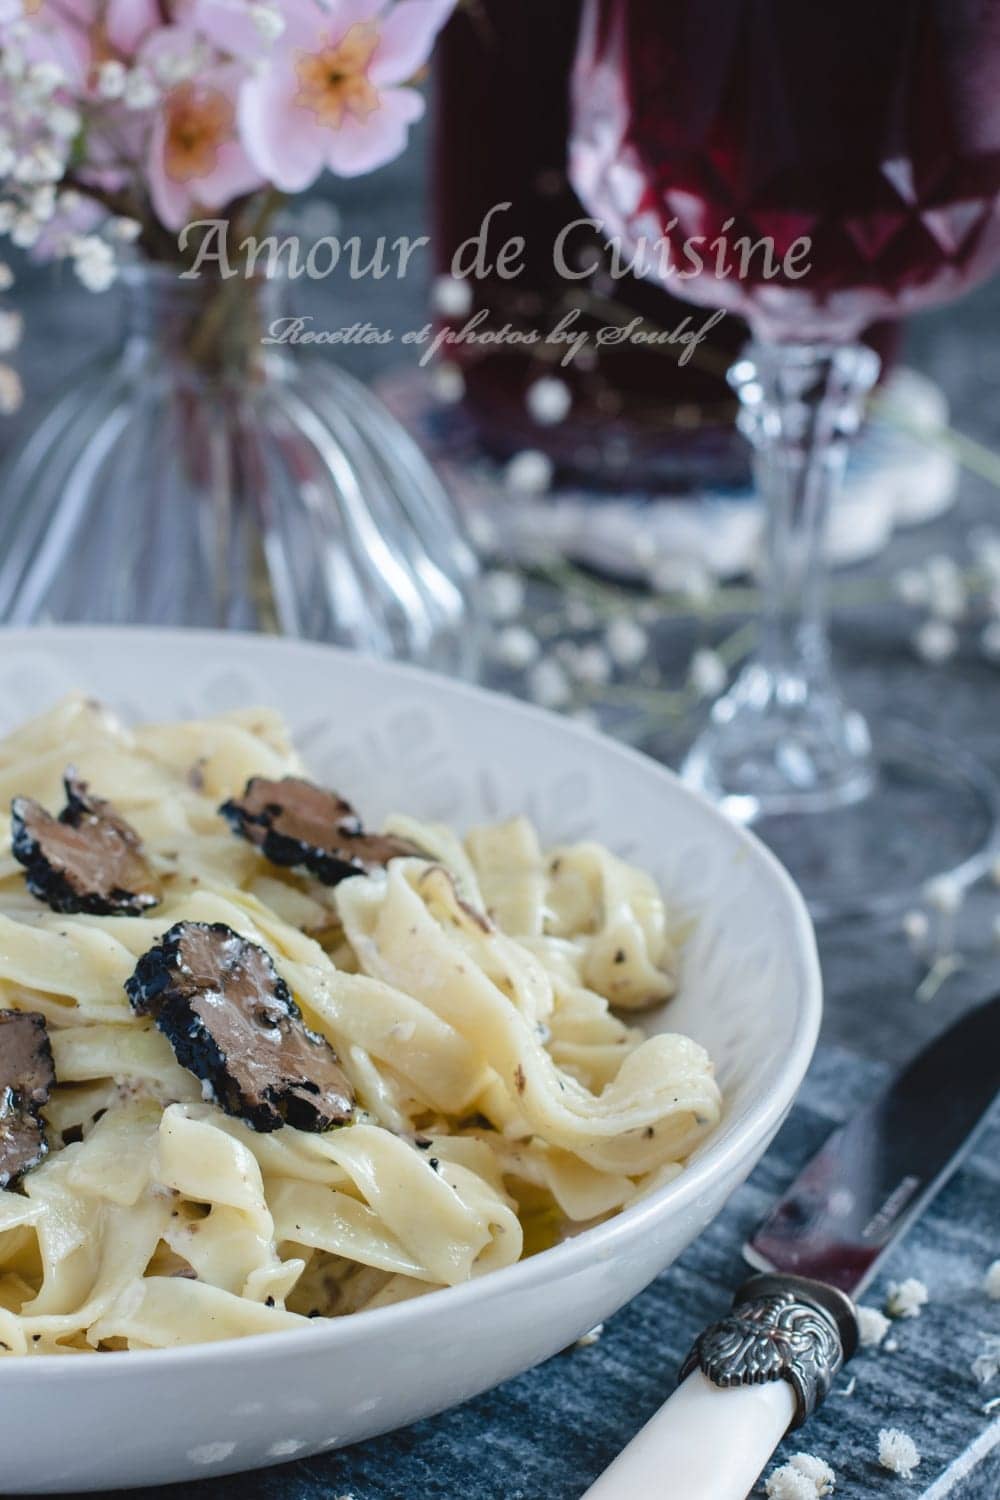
point(202, 477)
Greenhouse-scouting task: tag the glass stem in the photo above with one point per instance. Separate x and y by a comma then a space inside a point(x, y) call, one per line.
point(782, 740)
point(801, 404)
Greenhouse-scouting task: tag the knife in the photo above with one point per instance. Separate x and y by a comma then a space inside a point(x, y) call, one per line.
point(766, 1366)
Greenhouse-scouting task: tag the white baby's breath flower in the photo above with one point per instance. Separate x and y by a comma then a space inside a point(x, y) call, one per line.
point(177, 65)
point(897, 1452)
point(6, 274)
point(911, 587)
point(502, 595)
point(93, 262)
point(873, 1326)
point(529, 472)
point(986, 1365)
point(589, 664)
point(916, 928)
point(141, 90)
point(549, 685)
point(64, 121)
point(268, 20)
point(43, 163)
point(42, 202)
point(627, 642)
point(936, 641)
point(991, 1282)
point(905, 1298)
point(23, 171)
point(96, 277)
point(11, 391)
point(447, 383)
point(549, 401)
point(8, 157)
point(11, 330)
point(707, 673)
point(516, 647)
point(111, 78)
point(451, 296)
point(25, 231)
point(944, 894)
point(45, 76)
point(681, 575)
point(946, 594)
point(8, 217)
point(124, 229)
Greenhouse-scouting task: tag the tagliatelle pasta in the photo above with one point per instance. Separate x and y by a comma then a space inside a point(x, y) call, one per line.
point(467, 992)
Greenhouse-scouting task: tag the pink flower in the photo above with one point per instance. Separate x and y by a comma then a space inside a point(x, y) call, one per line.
point(328, 93)
point(196, 160)
point(126, 23)
point(229, 25)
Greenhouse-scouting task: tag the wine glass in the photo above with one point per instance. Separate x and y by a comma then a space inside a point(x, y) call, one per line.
point(855, 149)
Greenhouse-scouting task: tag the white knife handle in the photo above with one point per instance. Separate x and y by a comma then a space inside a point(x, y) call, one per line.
point(705, 1443)
point(750, 1377)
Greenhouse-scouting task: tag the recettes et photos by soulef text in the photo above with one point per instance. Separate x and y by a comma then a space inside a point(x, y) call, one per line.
point(259, 1065)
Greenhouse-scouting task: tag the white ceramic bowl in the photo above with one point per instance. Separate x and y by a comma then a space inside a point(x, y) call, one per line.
point(390, 738)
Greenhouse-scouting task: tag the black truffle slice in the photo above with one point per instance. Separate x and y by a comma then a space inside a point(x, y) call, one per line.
point(294, 822)
point(231, 1021)
point(27, 1077)
point(89, 859)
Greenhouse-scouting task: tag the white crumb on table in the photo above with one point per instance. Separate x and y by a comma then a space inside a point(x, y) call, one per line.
point(590, 1337)
point(897, 1452)
point(873, 1326)
point(787, 1483)
point(816, 1470)
point(804, 1477)
point(991, 1281)
point(906, 1298)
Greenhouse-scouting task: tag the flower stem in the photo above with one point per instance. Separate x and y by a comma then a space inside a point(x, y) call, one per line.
point(213, 323)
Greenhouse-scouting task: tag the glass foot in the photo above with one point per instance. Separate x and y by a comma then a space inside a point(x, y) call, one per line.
point(932, 810)
point(780, 744)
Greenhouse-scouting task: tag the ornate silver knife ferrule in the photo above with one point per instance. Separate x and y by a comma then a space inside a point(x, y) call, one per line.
point(780, 1328)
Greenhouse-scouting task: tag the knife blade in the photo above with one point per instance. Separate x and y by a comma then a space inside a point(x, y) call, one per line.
point(767, 1365)
point(875, 1174)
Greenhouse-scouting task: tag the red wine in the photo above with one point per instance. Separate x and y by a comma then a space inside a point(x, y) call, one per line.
point(503, 119)
point(868, 128)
